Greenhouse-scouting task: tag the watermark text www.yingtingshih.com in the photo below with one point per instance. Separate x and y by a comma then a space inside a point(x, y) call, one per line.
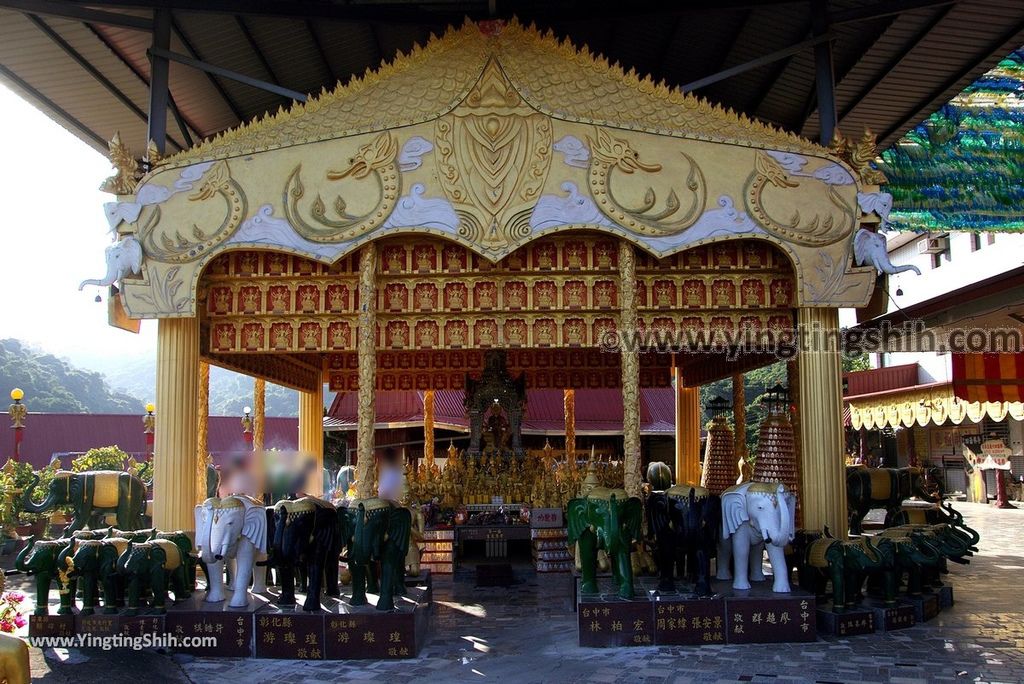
point(785, 343)
point(110, 642)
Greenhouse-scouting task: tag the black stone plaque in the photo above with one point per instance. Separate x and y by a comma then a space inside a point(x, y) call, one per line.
point(851, 622)
point(769, 619)
point(898, 616)
point(689, 622)
point(376, 635)
point(926, 607)
point(98, 624)
point(286, 634)
point(616, 623)
point(51, 625)
point(231, 630)
point(141, 625)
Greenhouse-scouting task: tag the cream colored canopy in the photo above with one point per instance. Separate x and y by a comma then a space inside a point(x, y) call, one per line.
point(492, 136)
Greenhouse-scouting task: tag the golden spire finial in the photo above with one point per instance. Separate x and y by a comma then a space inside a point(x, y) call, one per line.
point(153, 156)
point(125, 166)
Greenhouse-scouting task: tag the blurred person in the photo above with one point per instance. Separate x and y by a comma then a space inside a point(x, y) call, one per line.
point(390, 476)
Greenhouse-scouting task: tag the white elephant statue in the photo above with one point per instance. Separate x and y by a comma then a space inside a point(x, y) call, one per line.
point(869, 249)
point(124, 257)
point(756, 516)
point(232, 530)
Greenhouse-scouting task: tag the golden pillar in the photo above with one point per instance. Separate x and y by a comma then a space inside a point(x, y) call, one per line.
point(428, 428)
point(202, 430)
point(793, 380)
point(311, 433)
point(687, 430)
point(259, 413)
point(174, 447)
point(569, 403)
point(366, 345)
point(630, 369)
point(819, 387)
point(739, 417)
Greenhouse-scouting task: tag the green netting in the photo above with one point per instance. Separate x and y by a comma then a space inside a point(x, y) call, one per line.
point(963, 168)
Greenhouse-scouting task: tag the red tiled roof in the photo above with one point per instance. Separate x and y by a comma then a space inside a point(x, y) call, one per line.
point(50, 434)
point(597, 410)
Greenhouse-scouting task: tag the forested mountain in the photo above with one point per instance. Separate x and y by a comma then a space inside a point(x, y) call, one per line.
point(117, 385)
point(54, 386)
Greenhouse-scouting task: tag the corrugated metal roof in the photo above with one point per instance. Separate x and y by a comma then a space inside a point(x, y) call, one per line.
point(891, 72)
point(880, 379)
point(49, 434)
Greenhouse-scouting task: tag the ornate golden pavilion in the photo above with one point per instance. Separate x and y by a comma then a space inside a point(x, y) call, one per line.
point(494, 189)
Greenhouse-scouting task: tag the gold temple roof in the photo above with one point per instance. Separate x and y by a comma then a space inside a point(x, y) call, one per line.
point(552, 76)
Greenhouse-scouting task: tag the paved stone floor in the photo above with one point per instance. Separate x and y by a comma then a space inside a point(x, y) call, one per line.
point(528, 634)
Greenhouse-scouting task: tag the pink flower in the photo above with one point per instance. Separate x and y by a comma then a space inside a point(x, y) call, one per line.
point(20, 621)
point(14, 596)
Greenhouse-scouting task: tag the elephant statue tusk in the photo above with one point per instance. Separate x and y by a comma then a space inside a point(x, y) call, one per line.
point(869, 250)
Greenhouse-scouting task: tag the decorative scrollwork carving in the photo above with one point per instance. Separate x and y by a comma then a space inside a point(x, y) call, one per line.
point(770, 180)
point(182, 248)
point(376, 159)
point(613, 154)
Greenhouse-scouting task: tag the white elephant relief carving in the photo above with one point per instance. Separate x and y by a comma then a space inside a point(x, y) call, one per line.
point(232, 530)
point(869, 249)
point(756, 516)
point(877, 203)
point(124, 257)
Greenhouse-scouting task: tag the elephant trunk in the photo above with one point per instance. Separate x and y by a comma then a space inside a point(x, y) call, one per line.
point(26, 498)
point(106, 280)
point(22, 557)
point(893, 270)
point(614, 532)
point(785, 523)
point(122, 560)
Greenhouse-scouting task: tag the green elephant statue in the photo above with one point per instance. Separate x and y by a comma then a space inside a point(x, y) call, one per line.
point(903, 554)
point(822, 559)
point(157, 564)
point(93, 562)
point(92, 495)
point(606, 519)
point(40, 558)
point(376, 529)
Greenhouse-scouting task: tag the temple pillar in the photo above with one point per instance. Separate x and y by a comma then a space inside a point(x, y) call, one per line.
point(739, 418)
point(630, 353)
point(174, 447)
point(202, 430)
point(819, 392)
point(366, 345)
point(569, 403)
point(687, 430)
point(311, 434)
point(259, 413)
point(428, 428)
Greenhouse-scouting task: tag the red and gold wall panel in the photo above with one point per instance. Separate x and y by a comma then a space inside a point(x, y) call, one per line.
point(555, 369)
point(556, 293)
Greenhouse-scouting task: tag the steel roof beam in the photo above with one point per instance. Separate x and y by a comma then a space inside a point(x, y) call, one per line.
point(21, 84)
point(880, 10)
point(217, 85)
point(66, 10)
point(88, 67)
point(228, 73)
point(757, 63)
point(927, 107)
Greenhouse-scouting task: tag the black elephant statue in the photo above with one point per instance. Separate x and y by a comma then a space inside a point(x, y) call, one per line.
point(606, 519)
point(159, 565)
point(821, 559)
point(93, 562)
point(306, 535)
point(376, 530)
point(887, 488)
point(686, 521)
point(40, 558)
point(92, 495)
